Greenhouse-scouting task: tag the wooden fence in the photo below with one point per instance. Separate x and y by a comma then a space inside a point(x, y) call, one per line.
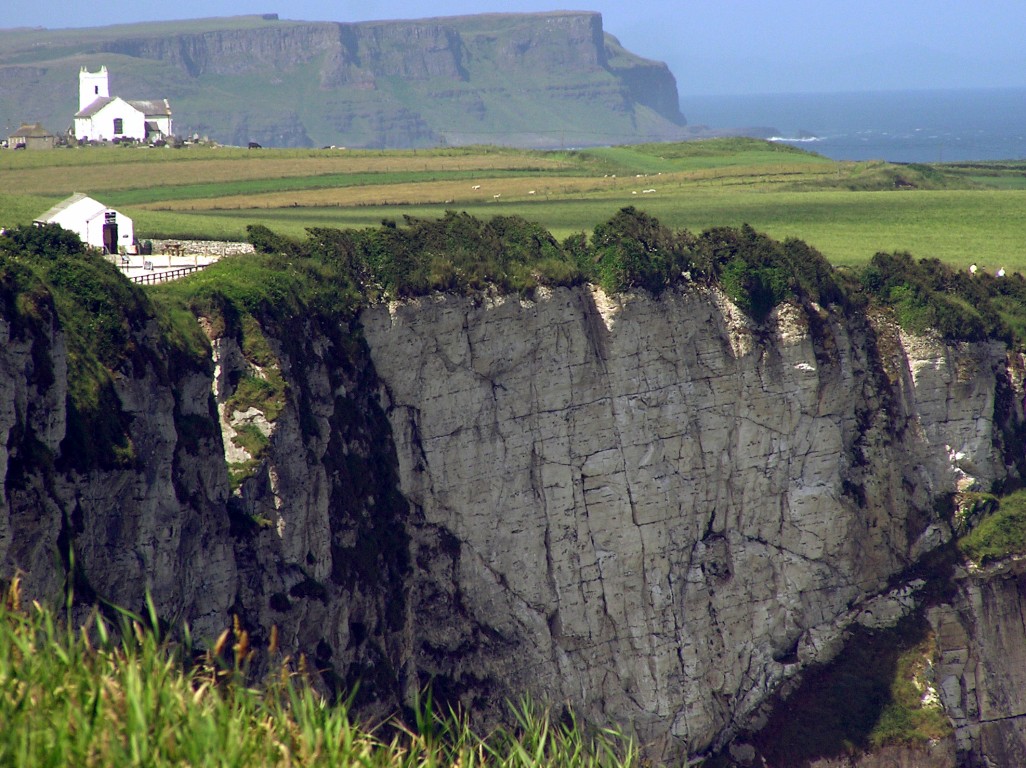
point(163, 276)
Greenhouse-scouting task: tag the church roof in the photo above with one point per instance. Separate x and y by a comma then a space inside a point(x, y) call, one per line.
point(95, 106)
point(149, 107)
point(152, 107)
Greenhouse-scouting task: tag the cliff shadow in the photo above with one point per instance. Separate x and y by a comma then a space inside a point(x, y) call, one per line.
point(596, 331)
point(864, 700)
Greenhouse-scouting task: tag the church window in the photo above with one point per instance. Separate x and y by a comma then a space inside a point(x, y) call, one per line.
point(119, 126)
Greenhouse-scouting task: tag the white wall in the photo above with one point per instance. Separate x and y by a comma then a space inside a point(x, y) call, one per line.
point(100, 127)
point(92, 86)
point(87, 217)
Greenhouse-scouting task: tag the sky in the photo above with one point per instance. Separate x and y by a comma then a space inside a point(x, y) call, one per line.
point(711, 46)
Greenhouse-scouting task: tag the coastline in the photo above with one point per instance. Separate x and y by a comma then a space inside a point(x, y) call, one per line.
point(898, 126)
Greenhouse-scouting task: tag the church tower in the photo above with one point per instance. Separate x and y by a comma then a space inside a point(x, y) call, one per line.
point(91, 86)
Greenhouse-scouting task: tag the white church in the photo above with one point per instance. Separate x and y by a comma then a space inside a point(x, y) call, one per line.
point(102, 117)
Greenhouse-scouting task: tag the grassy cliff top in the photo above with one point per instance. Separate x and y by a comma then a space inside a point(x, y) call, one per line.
point(29, 46)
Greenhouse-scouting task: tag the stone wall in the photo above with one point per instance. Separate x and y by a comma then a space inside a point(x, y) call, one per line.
point(202, 247)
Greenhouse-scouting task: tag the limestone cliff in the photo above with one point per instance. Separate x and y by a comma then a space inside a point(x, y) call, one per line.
point(546, 79)
point(648, 508)
point(661, 512)
point(982, 673)
point(70, 518)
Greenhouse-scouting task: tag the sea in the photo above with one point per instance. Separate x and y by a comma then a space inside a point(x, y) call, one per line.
point(931, 126)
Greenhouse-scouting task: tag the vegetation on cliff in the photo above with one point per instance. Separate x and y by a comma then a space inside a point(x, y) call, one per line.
point(928, 296)
point(338, 270)
point(1000, 533)
point(49, 280)
point(879, 691)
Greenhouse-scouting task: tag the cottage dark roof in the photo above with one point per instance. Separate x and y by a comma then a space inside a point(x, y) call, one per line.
point(31, 131)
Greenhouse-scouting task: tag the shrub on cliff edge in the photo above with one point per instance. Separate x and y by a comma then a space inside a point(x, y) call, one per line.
point(104, 318)
point(758, 272)
point(633, 250)
point(927, 295)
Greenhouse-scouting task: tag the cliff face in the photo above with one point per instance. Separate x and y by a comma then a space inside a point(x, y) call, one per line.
point(644, 507)
point(109, 531)
point(663, 514)
point(982, 670)
point(524, 79)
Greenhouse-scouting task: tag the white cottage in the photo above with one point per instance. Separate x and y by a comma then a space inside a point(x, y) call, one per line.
point(96, 224)
point(102, 117)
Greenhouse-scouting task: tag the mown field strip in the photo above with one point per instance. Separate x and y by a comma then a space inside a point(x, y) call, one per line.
point(457, 192)
point(60, 179)
point(457, 188)
point(197, 196)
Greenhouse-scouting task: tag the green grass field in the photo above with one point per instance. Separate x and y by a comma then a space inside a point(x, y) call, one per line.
point(962, 213)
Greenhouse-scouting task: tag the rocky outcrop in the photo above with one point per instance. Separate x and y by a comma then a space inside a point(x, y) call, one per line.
point(321, 527)
point(982, 669)
point(663, 513)
point(71, 519)
point(524, 79)
point(648, 508)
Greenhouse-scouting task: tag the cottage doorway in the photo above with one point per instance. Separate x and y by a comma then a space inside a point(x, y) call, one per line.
point(110, 237)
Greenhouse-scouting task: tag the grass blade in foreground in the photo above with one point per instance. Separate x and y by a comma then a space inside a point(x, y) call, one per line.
point(82, 698)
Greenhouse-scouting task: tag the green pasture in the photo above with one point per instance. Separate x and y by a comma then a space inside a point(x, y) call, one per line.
point(958, 227)
point(696, 155)
point(998, 175)
point(960, 213)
